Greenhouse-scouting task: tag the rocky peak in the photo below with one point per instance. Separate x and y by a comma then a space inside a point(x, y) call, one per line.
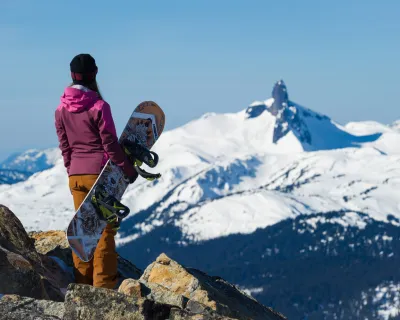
point(313, 131)
point(287, 114)
point(280, 96)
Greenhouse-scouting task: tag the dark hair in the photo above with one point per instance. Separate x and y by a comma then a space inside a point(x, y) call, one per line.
point(92, 86)
point(95, 87)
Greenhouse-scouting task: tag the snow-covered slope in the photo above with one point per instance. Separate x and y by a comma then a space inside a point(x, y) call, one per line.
point(251, 192)
point(43, 200)
point(8, 176)
point(19, 166)
point(32, 160)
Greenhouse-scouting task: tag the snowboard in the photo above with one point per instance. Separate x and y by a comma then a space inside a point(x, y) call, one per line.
point(141, 132)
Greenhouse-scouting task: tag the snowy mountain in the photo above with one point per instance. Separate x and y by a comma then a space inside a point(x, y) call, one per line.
point(8, 176)
point(298, 210)
point(19, 166)
point(313, 130)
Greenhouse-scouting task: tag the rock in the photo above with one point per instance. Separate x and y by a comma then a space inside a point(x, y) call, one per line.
point(256, 110)
point(170, 275)
point(55, 255)
point(57, 272)
point(198, 308)
point(17, 307)
point(127, 270)
point(21, 268)
point(163, 259)
point(152, 291)
point(87, 302)
point(213, 292)
point(163, 295)
point(14, 238)
point(179, 314)
point(154, 310)
point(54, 244)
point(281, 98)
point(131, 287)
point(18, 276)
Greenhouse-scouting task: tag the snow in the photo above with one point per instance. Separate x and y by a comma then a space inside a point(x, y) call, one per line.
point(366, 127)
point(43, 202)
point(349, 219)
point(252, 291)
point(395, 125)
point(222, 174)
point(386, 238)
point(234, 214)
point(8, 176)
point(32, 160)
point(386, 298)
point(240, 182)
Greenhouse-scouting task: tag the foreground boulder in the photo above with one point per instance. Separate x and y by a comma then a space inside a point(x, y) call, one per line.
point(87, 303)
point(201, 292)
point(83, 302)
point(22, 270)
point(17, 307)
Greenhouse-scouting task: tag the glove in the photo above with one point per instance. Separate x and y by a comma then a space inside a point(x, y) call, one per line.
point(132, 179)
point(129, 172)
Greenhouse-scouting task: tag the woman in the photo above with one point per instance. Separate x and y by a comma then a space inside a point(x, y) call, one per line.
point(87, 139)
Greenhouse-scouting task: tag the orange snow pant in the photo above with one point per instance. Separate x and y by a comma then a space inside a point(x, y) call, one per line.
point(101, 271)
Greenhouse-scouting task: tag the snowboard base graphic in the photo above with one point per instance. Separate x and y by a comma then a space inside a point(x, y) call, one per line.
point(144, 127)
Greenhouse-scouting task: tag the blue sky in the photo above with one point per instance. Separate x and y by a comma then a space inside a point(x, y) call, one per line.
point(340, 58)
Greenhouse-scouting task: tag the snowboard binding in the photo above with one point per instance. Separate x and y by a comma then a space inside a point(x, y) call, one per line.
point(138, 155)
point(108, 207)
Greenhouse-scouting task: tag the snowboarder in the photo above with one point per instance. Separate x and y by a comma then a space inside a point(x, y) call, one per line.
point(87, 139)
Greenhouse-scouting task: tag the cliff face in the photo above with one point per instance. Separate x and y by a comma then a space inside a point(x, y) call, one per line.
point(36, 281)
point(312, 130)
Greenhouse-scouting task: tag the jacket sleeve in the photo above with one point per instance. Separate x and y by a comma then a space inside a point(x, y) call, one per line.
point(110, 142)
point(63, 141)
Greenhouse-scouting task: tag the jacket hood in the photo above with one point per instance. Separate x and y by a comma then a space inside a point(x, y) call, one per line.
point(78, 98)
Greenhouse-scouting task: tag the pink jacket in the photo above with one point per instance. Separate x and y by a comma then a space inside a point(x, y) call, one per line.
point(86, 133)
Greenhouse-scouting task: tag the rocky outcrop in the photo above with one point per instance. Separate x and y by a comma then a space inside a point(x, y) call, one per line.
point(87, 303)
point(281, 98)
point(17, 307)
point(54, 244)
point(35, 269)
point(131, 287)
point(22, 270)
point(203, 292)
point(287, 115)
point(83, 302)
